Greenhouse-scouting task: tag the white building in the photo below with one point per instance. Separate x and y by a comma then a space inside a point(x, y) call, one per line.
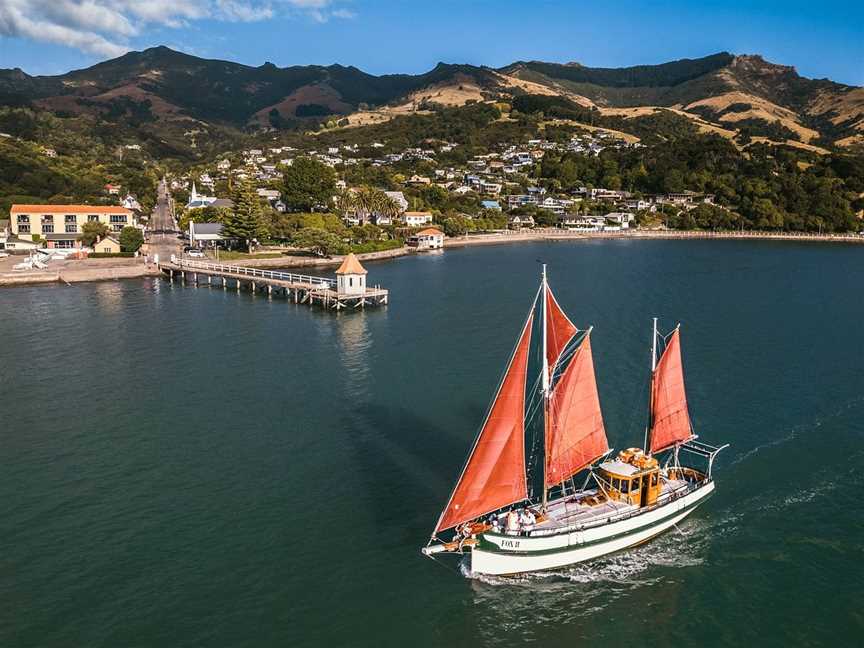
point(205, 234)
point(416, 219)
point(351, 277)
point(270, 195)
point(198, 200)
point(130, 202)
point(427, 239)
point(618, 221)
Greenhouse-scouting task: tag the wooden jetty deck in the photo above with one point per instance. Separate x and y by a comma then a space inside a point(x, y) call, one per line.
point(303, 289)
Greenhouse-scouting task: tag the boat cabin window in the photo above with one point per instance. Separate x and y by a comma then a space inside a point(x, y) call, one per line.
point(615, 484)
point(625, 485)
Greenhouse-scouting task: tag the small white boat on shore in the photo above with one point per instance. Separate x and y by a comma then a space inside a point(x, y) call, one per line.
point(588, 503)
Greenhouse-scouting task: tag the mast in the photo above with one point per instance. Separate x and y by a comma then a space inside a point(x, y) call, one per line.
point(651, 387)
point(545, 383)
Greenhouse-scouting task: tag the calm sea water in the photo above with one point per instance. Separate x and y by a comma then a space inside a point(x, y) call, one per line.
point(189, 467)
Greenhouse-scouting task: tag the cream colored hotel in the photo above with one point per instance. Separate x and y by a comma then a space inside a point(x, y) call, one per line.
point(60, 225)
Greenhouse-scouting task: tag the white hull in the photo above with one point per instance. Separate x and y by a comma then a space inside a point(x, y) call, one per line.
point(521, 554)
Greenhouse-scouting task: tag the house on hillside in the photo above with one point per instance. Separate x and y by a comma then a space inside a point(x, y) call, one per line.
point(490, 204)
point(518, 222)
point(399, 198)
point(112, 189)
point(582, 223)
point(131, 203)
point(617, 221)
point(416, 218)
point(271, 195)
point(4, 233)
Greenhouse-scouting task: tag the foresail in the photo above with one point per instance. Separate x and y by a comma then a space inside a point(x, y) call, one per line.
point(670, 417)
point(559, 330)
point(495, 473)
point(575, 434)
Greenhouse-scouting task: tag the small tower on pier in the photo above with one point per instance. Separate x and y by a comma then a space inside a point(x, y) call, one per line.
point(351, 277)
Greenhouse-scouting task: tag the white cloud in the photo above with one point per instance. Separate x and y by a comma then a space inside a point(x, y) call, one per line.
point(105, 27)
point(347, 14)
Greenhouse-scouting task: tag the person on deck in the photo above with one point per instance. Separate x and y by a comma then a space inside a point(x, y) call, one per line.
point(512, 523)
point(527, 519)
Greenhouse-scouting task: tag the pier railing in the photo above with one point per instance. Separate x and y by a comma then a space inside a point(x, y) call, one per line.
point(203, 266)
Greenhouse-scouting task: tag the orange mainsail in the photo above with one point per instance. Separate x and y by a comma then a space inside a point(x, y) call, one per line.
point(575, 435)
point(669, 415)
point(495, 473)
point(559, 330)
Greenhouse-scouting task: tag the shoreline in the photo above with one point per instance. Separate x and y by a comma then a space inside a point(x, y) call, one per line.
point(77, 275)
point(139, 269)
point(517, 236)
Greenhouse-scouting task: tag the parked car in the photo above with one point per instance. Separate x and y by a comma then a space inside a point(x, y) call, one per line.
point(196, 254)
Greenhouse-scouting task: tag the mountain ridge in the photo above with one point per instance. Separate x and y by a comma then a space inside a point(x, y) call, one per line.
point(165, 88)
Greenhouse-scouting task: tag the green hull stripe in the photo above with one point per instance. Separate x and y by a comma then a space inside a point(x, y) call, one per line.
point(490, 547)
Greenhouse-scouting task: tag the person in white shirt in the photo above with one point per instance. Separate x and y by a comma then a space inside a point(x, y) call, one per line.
point(512, 523)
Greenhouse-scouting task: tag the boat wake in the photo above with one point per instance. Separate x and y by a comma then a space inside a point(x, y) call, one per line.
point(817, 422)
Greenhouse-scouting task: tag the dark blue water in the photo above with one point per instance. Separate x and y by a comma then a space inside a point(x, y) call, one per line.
point(184, 466)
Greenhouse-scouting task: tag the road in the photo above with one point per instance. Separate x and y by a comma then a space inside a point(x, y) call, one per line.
point(163, 239)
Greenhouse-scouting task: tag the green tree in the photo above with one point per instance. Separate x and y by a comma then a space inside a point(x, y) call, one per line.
point(246, 219)
point(456, 224)
point(92, 232)
point(308, 184)
point(209, 214)
point(318, 240)
point(131, 239)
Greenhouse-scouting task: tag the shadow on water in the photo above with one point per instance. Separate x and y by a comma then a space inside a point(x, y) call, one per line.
point(402, 454)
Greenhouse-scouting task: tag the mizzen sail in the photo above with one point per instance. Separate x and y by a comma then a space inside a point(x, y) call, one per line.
point(670, 420)
point(575, 435)
point(495, 473)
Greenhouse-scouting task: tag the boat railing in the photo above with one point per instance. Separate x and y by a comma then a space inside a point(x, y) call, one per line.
point(668, 497)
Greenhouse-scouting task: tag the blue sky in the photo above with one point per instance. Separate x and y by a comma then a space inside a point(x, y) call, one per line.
point(821, 39)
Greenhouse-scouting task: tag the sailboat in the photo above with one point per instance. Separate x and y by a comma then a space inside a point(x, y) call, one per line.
point(590, 502)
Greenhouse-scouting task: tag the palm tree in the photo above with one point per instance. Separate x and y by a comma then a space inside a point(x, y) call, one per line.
point(344, 203)
point(388, 207)
point(365, 203)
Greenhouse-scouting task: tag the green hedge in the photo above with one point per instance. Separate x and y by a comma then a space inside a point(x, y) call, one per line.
point(376, 246)
point(109, 255)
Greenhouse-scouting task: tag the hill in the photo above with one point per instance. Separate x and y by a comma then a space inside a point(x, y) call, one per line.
point(182, 105)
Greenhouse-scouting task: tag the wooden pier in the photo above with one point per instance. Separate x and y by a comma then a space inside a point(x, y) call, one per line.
point(301, 289)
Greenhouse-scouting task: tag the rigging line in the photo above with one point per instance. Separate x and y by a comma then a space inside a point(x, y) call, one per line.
point(443, 564)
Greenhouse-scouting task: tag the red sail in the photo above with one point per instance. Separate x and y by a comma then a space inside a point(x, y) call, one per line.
point(670, 418)
point(575, 434)
point(495, 473)
point(559, 329)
